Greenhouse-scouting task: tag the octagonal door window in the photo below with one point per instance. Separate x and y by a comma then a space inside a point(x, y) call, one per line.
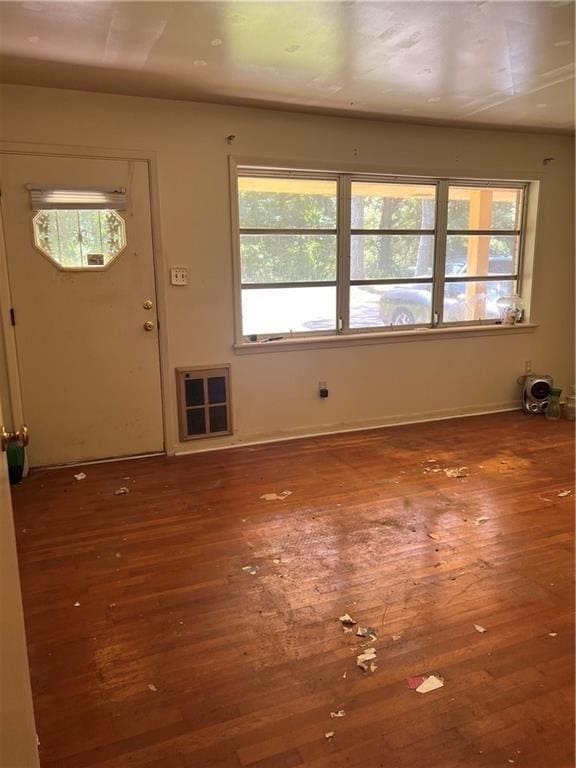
point(79, 239)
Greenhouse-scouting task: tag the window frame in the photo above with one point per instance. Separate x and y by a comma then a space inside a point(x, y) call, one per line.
point(344, 231)
point(239, 231)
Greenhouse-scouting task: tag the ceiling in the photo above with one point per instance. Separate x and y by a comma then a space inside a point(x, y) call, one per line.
point(478, 63)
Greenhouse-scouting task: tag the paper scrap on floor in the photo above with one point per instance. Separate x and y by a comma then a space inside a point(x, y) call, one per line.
point(276, 496)
point(456, 472)
point(365, 660)
point(251, 569)
point(425, 683)
point(367, 632)
point(80, 476)
point(121, 491)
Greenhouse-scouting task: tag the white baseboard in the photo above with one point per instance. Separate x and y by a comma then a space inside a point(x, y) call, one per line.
point(357, 426)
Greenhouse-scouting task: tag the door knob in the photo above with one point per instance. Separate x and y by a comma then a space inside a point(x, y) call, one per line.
point(19, 436)
point(147, 304)
point(149, 325)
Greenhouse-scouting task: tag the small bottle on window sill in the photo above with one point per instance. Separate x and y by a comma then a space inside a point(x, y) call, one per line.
point(510, 309)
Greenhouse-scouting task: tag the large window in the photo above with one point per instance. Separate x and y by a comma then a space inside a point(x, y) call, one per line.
point(325, 253)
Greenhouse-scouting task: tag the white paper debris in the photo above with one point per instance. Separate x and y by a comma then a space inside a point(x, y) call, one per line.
point(76, 604)
point(339, 713)
point(329, 735)
point(479, 628)
point(276, 561)
point(395, 638)
point(345, 674)
point(152, 687)
point(564, 493)
point(367, 632)
point(481, 520)
point(347, 620)
point(434, 536)
point(80, 476)
point(276, 496)
point(430, 684)
point(251, 569)
point(552, 634)
point(456, 472)
point(121, 491)
point(363, 659)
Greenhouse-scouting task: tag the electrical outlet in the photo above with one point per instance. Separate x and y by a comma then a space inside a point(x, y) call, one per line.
point(179, 275)
point(528, 366)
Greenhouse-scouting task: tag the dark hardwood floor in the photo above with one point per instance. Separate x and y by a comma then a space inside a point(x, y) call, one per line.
point(177, 658)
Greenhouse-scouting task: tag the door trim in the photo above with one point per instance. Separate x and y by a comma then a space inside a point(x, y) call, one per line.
point(159, 266)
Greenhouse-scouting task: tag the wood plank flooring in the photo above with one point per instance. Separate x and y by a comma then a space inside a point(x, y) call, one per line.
point(177, 658)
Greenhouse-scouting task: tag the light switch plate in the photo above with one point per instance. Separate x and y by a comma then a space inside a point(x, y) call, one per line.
point(179, 275)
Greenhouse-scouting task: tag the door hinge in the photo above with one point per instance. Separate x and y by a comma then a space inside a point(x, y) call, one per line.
point(12, 316)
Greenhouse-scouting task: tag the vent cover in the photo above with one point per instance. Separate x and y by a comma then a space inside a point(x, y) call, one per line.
point(203, 402)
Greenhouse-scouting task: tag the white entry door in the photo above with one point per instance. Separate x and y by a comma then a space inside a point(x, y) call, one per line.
point(85, 315)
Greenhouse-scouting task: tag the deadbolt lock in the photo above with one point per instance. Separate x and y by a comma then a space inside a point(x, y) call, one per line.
point(147, 304)
point(149, 325)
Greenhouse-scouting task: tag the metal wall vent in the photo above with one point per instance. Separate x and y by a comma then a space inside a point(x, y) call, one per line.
point(203, 402)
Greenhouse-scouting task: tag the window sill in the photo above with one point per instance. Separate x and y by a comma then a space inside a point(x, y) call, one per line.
point(384, 337)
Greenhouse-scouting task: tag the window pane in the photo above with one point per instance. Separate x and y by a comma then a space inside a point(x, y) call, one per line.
point(376, 205)
point(282, 310)
point(77, 239)
point(484, 208)
point(475, 300)
point(218, 418)
point(196, 421)
point(287, 258)
point(376, 257)
point(379, 305)
point(194, 392)
point(479, 255)
point(286, 203)
point(216, 389)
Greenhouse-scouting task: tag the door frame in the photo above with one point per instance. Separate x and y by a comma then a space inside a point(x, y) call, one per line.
point(159, 266)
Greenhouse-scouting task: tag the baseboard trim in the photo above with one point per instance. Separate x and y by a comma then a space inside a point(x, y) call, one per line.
point(393, 421)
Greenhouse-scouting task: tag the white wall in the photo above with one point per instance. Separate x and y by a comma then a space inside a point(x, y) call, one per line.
point(276, 393)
